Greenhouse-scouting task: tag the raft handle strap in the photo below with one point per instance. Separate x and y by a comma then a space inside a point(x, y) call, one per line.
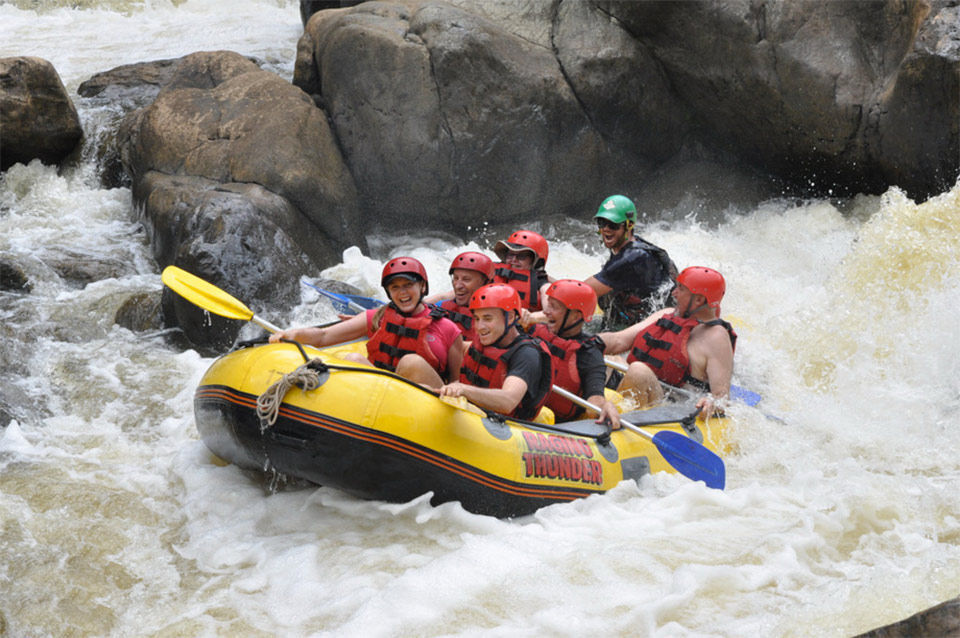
point(303, 353)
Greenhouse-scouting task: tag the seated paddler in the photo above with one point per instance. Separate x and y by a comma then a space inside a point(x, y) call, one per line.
point(468, 271)
point(504, 370)
point(523, 262)
point(406, 336)
point(687, 346)
point(577, 355)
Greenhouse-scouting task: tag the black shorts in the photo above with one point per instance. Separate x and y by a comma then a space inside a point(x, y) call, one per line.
point(614, 379)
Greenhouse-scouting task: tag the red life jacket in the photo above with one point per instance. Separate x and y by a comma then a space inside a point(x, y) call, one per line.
point(663, 347)
point(566, 375)
point(460, 315)
point(399, 335)
point(526, 282)
point(486, 367)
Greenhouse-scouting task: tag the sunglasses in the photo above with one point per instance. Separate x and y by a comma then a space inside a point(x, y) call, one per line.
point(606, 223)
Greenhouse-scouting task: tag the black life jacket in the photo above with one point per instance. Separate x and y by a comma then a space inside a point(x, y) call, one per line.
point(626, 307)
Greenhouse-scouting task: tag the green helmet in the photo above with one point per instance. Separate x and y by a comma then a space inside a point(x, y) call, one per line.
point(618, 209)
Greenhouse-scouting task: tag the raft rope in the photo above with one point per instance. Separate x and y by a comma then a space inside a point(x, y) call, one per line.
point(306, 377)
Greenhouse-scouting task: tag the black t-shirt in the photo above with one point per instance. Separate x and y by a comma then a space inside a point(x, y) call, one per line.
point(524, 362)
point(636, 275)
point(592, 369)
point(632, 268)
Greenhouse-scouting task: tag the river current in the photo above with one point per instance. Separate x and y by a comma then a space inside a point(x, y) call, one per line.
point(841, 511)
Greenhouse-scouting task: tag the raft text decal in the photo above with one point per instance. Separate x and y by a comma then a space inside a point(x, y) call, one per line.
point(560, 457)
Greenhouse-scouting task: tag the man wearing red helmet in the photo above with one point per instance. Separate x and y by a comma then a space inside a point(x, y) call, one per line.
point(523, 258)
point(577, 355)
point(406, 336)
point(504, 370)
point(688, 345)
point(468, 271)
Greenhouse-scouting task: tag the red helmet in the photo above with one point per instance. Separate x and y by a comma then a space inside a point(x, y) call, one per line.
point(574, 295)
point(704, 281)
point(524, 240)
point(407, 267)
point(499, 296)
point(474, 261)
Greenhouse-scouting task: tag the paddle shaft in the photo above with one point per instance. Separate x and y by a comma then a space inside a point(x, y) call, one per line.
point(583, 403)
point(685, 455)
point(266, 325)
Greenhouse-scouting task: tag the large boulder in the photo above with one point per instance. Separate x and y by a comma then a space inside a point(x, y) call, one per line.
point(940, 620)
point(109, 96)
point(916, 140)
point(309, 7)
point(512, 110)
point(832, 94)
point(37, 118)
point(240, 181)
point(448, 119)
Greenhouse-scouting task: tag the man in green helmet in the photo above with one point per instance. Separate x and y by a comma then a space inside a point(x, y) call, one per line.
point(638, 276)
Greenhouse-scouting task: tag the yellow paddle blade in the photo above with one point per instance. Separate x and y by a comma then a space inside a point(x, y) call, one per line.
point(204, 294)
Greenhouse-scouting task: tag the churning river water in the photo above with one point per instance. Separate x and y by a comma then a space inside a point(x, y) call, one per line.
point(842, 510)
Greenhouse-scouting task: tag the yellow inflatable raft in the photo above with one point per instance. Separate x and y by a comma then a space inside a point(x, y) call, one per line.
point(378, 436)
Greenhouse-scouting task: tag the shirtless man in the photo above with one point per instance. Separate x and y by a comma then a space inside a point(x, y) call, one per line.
point(688, 345)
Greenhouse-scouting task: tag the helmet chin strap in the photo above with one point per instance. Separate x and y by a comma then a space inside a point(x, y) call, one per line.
point(686, 313)
point(506, 328)
point(563, 324)
point(627, 236)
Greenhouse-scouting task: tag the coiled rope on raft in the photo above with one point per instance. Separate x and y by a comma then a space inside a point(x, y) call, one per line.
point(306, 377)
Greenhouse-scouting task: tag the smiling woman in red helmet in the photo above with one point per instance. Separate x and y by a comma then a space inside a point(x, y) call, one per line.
point(406, 336)
point(688, 345)
point(504, 370)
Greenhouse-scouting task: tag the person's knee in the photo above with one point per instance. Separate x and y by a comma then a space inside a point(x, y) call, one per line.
point(409, 363)
point(641, 383)
point(417, 369)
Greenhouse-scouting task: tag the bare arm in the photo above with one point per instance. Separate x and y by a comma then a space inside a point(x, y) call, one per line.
point(617, 342)
point(439, 297)
point(528, 318)
point(599, 288)
point(353, 328)
point(718, 368)
point(454, 359)
point(503, 400)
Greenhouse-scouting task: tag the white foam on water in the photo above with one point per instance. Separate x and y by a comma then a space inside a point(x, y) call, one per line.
point(840, 513)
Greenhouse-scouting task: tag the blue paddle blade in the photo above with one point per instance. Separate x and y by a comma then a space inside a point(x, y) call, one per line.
point(743, 395)
point(343, 303)
point(368, 303)
point(691, 459)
